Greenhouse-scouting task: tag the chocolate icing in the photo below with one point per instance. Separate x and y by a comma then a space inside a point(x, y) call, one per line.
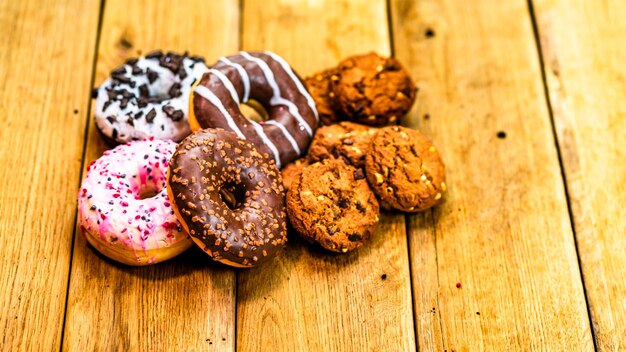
point(266, 78)
point(229, 197)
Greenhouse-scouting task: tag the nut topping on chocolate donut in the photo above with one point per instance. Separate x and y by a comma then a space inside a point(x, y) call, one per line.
point(229, 197)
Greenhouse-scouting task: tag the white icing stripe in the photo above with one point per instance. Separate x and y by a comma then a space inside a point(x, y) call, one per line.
point(276, 98)
point(227, 83)
point(288, 135)
point(295, 79)
point(213, 99)
point(244, 77)
point(259, 131)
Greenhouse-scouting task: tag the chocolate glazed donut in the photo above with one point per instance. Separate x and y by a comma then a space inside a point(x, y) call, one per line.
point(229, 198)
point(266, 78)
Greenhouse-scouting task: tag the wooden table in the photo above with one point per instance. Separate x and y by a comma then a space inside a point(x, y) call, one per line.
point(526, 101)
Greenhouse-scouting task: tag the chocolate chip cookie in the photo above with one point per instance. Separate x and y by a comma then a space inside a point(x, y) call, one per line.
point(292, 170)
point(318, 86)
point(372, 89)
point(405, 170)
point(347, 140)
point(331, 203)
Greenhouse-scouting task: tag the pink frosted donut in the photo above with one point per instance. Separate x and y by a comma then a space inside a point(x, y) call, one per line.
point(123, 206)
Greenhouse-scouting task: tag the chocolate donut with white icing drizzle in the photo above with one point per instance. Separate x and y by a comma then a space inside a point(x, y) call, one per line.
point(269, 80)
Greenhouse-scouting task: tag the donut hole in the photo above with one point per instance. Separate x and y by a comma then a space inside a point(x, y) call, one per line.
point(146, 192)
point(232, 195)
point(253, 110)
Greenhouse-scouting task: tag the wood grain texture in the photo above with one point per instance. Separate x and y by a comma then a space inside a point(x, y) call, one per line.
point(584, 52)
point(309, 300)
point(503, 231)
point(44, 88)
point(184, 304)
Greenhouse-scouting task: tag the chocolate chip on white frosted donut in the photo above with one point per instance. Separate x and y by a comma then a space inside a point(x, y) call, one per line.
point(123, 206)
point(148, 97)
point(229, 197)
point(266, 78)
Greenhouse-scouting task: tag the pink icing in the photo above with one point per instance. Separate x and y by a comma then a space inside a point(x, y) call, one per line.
point(110, 204)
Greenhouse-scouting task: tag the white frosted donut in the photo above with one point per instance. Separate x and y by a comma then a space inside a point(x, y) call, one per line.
point(148, 97)
point(123, 207)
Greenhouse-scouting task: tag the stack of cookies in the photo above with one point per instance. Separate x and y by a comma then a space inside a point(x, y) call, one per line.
point(359, 160)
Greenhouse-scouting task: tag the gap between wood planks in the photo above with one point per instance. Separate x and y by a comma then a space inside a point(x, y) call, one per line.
point(544, 81)
point(236, 290)
point(82, 164)
point(407, 222)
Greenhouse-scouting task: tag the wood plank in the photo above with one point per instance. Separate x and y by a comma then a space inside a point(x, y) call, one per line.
point(308, 300)
point(504, 231)
point(44, 86)
point(187, 303)
point(584, 53)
